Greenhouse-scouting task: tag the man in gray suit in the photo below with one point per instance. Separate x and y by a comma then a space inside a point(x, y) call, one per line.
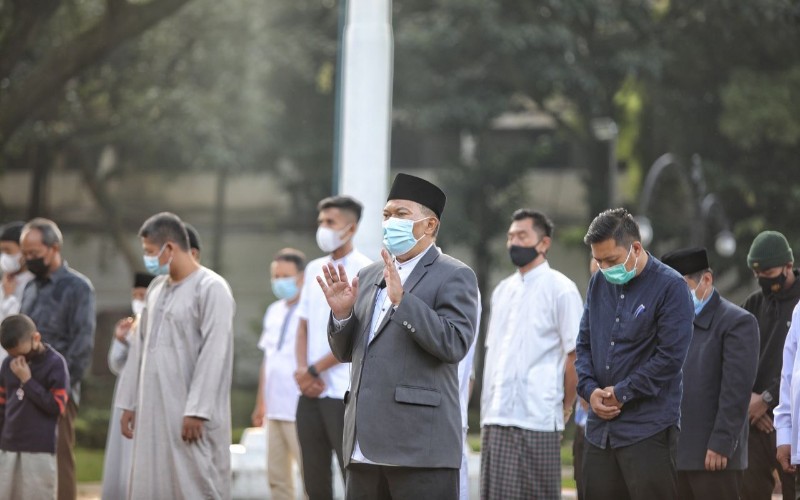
point(718, 372)
point(404, 324)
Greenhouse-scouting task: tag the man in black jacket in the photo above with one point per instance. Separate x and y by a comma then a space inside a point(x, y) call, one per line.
point(771, 260)
point(718, 373)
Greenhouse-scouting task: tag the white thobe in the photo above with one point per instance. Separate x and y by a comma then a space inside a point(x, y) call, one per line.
point(10, 304)
point(181, 366)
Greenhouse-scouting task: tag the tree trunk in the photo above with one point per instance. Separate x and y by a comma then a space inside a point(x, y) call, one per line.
point(114, 224)
point(40, 171)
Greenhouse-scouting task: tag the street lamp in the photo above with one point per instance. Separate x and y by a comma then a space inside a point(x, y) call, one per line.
point(707, 206)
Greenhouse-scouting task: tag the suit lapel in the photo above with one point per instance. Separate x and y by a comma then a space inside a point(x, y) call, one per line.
point(414, 278)
point(368, 308)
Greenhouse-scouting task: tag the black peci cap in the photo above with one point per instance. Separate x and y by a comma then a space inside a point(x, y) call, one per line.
point(409, 187)
point(687, 260)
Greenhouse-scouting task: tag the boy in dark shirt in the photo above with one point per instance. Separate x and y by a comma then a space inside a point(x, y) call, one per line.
point(33, 393)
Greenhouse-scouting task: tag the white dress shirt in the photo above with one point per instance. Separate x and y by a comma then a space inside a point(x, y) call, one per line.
point(313, 307)
point(278, 341)
point(787, 413)
point(534, 324)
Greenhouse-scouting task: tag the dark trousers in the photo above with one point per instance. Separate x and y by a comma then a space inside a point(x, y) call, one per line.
point(641, 471)
point(703, 484)
point(758, 481)
point(320, 424)
point(578, 444)
point(378, 482)
point(65, 457)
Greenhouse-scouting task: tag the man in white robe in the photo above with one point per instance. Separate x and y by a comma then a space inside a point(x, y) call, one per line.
point(176, 393)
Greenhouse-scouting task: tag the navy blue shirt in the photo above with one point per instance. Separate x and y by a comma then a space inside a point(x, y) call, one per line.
point(29, 412)
point(635, 337)
point(63, 308)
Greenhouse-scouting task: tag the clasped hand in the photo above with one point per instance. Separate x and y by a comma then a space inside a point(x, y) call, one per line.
point(605, 404)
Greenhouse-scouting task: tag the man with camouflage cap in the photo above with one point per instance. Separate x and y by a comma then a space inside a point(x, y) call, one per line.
point(772, 262)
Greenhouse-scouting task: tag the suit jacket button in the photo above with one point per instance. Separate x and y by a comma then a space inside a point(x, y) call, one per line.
point(413, 330)
point(405, 323)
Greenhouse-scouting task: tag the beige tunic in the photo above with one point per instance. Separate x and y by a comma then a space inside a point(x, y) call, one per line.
point(180, 365)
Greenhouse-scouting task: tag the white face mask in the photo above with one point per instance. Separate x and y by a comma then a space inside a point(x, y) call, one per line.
point(10, 264)
point(137, 306)
point(329, 239)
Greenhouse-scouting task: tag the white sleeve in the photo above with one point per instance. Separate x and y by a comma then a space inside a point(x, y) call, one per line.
point(117, 356)
point(783, 412)
point(303, 305)
point(569, 310)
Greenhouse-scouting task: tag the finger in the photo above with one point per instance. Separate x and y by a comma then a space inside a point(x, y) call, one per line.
point(723, 463)
point(354, 285)
point(322, 285)
point(342, 274)
point(326, 272)
point(386, 256)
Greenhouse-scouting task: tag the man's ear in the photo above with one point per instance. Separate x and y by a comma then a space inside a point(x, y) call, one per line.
point(433, 223)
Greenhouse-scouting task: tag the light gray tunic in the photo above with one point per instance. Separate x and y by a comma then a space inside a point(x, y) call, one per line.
point(117, 459)
point(180, 365)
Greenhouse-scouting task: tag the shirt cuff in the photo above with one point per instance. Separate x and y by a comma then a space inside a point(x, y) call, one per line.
point(339, 323)
point(623, 392)
point(783, 436)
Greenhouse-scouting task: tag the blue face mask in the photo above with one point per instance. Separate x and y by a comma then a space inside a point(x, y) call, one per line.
point(618, 275)
point(152, 265)
point(698, 303)
point(398, 235)
point(285, 288)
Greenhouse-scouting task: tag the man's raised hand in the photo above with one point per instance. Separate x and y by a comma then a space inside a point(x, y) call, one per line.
point(340, 294)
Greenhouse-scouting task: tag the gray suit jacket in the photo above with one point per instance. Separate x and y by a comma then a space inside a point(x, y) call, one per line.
point(403, 397)
point(717, 378)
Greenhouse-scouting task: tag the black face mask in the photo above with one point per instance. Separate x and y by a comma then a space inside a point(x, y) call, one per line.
point(771, 286)
point(522, 256)
point(38, 267)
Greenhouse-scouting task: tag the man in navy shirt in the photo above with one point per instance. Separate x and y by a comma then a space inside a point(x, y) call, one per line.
point(633, 339)
point(61, 302)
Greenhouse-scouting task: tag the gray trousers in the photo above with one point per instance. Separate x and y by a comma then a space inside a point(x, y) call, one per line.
point(27, 475)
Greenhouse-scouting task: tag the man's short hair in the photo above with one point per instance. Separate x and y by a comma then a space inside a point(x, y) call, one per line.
point(164, 227)
point(427, 212)
point(541, 223)
point(616, 224)
point(292, 255)
point(344, 203)
point(194, 236)
point(15, 329)
point(51, 234)
point(697, 276)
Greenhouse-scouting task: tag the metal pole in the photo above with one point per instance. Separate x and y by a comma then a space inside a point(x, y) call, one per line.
point(366, 114)
point(337, 104)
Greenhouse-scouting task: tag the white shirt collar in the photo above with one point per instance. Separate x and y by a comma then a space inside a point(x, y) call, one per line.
point(534, 273)
point(343, 260)
point(405, 268)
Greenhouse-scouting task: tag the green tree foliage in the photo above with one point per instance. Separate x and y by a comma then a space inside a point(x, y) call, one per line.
point(727, 92)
